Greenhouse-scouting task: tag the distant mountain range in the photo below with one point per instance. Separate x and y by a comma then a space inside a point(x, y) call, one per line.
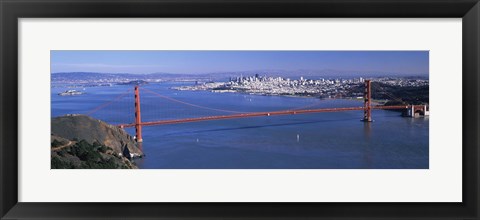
point(112, 76)
point(327, 73)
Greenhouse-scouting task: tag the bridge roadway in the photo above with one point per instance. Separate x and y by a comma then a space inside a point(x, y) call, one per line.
point(258, 114)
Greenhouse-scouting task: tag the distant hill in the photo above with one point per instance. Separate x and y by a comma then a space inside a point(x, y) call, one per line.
point(88, 77)
point(79, 141)
point(416, 95)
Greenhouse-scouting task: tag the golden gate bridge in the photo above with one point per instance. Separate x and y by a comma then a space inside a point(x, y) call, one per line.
point(138, 123)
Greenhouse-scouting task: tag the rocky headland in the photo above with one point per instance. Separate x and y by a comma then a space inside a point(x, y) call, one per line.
point(82, 142)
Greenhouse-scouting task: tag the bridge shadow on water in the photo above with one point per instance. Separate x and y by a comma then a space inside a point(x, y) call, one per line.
point(260, 126)
point(271, 125)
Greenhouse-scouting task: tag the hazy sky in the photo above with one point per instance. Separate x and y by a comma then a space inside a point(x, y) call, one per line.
point(403, 62)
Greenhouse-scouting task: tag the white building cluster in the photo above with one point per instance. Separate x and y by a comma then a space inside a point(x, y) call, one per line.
point(263, 85)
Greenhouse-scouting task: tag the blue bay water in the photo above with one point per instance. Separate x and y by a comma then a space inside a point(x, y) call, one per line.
point(336, 140)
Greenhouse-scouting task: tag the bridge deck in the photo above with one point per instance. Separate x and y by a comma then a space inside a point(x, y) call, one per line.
point(258, 114)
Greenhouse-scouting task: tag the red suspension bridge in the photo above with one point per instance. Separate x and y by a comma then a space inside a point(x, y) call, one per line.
point(366, 108)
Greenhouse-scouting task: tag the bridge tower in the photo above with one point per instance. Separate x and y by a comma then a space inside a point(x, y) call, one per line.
point(138, 118)
point(367, 107)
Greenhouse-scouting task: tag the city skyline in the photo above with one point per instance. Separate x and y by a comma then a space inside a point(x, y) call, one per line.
point(201, 62)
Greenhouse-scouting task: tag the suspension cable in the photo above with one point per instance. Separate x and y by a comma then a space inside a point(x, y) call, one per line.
point(393, 97)
point(190, 104)
point(109, 103)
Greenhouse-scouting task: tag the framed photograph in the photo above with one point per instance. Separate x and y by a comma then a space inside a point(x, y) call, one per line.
point(226, 109)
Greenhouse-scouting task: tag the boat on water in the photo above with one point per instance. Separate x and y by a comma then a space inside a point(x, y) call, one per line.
point(70, 92)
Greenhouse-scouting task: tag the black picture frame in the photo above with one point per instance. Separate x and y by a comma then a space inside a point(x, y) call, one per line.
point(12, 10)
